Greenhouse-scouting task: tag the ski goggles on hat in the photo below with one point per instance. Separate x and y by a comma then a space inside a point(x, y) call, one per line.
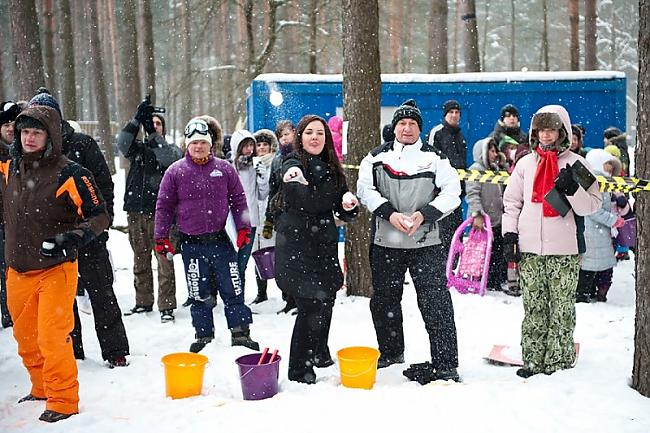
point(196, 126)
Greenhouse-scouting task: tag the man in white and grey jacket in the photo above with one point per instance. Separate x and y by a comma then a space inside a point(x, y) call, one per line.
point(409, 187)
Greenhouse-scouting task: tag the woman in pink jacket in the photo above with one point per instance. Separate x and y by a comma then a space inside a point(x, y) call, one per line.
point(546, 244)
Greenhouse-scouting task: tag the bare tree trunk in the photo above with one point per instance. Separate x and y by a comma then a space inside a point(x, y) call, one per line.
point(130, 95)
point(395, 23)
point(641, 367)
point(69, 97)
point(456, 25)
point(3, 95)
point(186, 55)
point(115, 58)
point(361, 105)
point(591, 33)
point(26, 45)
point(438, 41)
point(48, 45)
point(313, 32)
point(406, 37)
point(103, 118)
point(613, 37)
point(545, 35)
point(147, 49)
point(485, 33)
point(513, 45)
point(574, 45)
point(470, 41)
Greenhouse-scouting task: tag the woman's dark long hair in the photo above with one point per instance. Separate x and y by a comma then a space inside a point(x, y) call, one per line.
point(328, 155)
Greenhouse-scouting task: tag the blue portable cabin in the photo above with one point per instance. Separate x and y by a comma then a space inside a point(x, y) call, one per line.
point(596, 99)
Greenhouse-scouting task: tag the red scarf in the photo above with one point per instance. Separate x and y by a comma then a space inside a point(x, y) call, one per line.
point(547, 171)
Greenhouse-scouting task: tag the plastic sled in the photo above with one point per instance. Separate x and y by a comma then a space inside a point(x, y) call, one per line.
point(511, 357)
point(468, 261)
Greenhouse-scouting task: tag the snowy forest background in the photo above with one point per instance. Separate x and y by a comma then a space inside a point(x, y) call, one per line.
point(198, 56)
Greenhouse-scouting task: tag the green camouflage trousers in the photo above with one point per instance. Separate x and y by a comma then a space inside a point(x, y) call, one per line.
point(549, 285)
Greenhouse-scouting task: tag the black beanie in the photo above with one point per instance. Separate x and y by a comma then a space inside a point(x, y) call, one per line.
point(29, 122)
point(450, 105)
point(408, 110)
point(43, 97)
point(509, 109)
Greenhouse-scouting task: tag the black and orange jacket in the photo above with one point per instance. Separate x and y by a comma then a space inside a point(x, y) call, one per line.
point(46, 194)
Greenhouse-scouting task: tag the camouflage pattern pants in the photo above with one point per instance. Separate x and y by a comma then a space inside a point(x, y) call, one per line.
point(549, 285)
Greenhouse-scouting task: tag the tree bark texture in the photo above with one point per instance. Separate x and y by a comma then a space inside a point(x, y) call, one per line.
point(591, 34)
point(131, 94)
point(361, 107)
point(103, 113)
point(26, 45)
point(574, 26)
point(149, 79)
point(641, 365)
point(438, 39)
point(513, 43)
point(48, 45)
point(470, 31)
point(544, 53)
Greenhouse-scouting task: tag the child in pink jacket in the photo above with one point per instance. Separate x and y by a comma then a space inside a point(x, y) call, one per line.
point(546, 244)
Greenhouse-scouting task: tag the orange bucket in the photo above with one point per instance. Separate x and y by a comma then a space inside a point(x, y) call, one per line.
point(184, 374)
point(358, 366)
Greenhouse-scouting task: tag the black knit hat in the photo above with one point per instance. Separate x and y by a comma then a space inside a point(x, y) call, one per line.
point(29, 122)
point(9, 110)
point(509, 109)
point(408, 110)
point(450, 105)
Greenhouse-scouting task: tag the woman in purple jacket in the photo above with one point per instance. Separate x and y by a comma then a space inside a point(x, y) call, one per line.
point(199, 190)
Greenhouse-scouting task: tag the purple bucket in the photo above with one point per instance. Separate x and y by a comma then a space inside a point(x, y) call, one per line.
point(265, 262)
point(627, 234)
point(258, 381)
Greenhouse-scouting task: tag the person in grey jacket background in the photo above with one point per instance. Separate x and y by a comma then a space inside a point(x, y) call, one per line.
point(409, 187)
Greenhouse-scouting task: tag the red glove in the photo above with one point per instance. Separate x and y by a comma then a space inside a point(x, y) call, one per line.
point(164, 247)
point(620, 222)
point(243, 237)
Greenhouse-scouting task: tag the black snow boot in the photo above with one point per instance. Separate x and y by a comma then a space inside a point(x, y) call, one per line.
point(139, 309)
point(261, 296)
point(53, 416)
point(199, 344)
point(241, 336)
point(31, 397)
point(385, 361)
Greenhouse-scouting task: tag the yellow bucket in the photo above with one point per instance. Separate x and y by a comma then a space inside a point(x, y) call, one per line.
point(184, 374)
point(358, 366)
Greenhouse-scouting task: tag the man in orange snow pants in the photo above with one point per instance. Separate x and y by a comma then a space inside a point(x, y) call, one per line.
point(51, 207)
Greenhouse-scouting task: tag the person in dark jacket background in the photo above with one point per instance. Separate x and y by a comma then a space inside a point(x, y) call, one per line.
point(95, 269)
point(148, 161)
point(285, 131)
point(9, 110)
point(307, 264)
point(448, 139)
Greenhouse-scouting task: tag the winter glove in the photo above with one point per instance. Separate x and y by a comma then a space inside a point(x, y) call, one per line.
point(620, 222)
point(62, 245)
point(260, 169)
point(165, 248)
point(144, 115)
point(511, 252)
point(267, 231)
point(243, 237)
point(565, 181)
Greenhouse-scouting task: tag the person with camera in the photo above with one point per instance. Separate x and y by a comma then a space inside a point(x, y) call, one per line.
point(148, 160)
point(546, 239)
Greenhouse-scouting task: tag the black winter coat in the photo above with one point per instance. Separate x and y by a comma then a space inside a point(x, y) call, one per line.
point(500, 130)
point(84, 150)
point(149, 160)
point(450, 141)
point(306, 248)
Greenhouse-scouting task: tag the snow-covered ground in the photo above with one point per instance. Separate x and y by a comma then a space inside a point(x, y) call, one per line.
point(593, 397)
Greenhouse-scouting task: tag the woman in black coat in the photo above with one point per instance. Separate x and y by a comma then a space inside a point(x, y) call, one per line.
point(307, 266)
